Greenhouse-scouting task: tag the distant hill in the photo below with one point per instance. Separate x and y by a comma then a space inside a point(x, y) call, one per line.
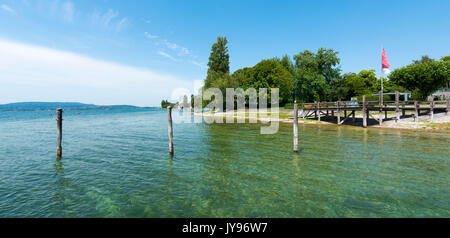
point(33, 106)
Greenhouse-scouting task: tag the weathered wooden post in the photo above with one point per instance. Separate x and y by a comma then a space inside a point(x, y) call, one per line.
point(318, 111)
point(448, 106)
point(169, 110)
point(295, 127)
point(397, 105)
point(385, 112)
point(364, 111)
point(315, 109)
point(380, 116)
point(59, 119)
point(353, 116)
point(431, 109)
point(338, 112)
point(416, 111)
point(403, 109)
point(303, 111)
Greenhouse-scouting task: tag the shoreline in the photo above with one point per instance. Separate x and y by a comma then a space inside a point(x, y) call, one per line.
point(440, 123)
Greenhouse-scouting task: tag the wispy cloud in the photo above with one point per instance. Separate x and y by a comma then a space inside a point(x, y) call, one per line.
point(182, 53)
point(34, 73)
point(110, 20)
point(68, 11)
point(162, 53)
point(62, 9)
point(123, 23)
point(7, 8)
point(150, 36)
point(199, 64)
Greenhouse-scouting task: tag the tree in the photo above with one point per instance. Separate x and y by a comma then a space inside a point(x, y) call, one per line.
point(360, 84)
point(424, 59)
point(218, 65)
point(314, 74)
point(422, 78)
point(446, 58)
point(165, 103)
point(270, 74)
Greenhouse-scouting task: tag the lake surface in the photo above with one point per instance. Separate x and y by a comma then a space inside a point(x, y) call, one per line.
point(116, 164)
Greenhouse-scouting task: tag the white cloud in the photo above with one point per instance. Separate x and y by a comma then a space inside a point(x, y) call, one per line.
point(34, 73)
point(123, 23)
point(7, 8)
point(162, 53)
point(68, 11)
point(199, 64)
point(150, 36)
point(109, 20)
point(183, 53)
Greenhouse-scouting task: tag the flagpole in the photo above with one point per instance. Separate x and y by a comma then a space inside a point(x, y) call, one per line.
point(381, 73)
point(381, 78)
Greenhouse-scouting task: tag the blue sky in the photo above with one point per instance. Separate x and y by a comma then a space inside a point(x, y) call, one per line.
point(100, 48)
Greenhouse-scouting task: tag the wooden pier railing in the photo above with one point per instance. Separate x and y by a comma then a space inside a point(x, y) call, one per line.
point(370, 108)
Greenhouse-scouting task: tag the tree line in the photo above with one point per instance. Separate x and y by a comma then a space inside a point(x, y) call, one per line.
point(317, 76)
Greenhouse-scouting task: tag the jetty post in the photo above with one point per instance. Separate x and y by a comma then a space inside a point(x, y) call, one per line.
point(397, 106)
point(416, 111)
point(338, 113)
point(315, 109)
point(295, 127)
point(431, 109)
point(403, 109)
point(353, 116)
point(385, 111)
point(318, 111)
point(59, 119)
point(448, 106)
point(169, 110)
point(364, 111)
point(380, 117)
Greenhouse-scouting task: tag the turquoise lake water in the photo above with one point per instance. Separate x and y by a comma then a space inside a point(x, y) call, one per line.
point(116, 164)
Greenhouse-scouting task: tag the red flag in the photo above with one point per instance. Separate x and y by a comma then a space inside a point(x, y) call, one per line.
point(384, 63)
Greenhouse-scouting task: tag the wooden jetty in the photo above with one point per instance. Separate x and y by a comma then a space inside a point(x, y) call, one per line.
point(368, 109)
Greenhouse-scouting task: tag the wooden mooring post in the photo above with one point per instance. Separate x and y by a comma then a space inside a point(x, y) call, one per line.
point(380, 116)
point(403, 109)
point(295, 127)
point(431, 109)
point(315, 109)
point(353, 116)
point(338, 112)
point(59, 120)
point(416, 111)
point(397, 106)
point(448, 106)
point(169, 111)
point(318, 111)
point(364, 111)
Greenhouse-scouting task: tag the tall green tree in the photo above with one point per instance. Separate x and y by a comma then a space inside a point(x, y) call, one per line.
point(314, 74)
point(422, 78)
point(270, 74)
point(219, 63)
point(360, 84)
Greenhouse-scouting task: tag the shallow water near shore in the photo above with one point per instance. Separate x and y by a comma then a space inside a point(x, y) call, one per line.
point(116, 164)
